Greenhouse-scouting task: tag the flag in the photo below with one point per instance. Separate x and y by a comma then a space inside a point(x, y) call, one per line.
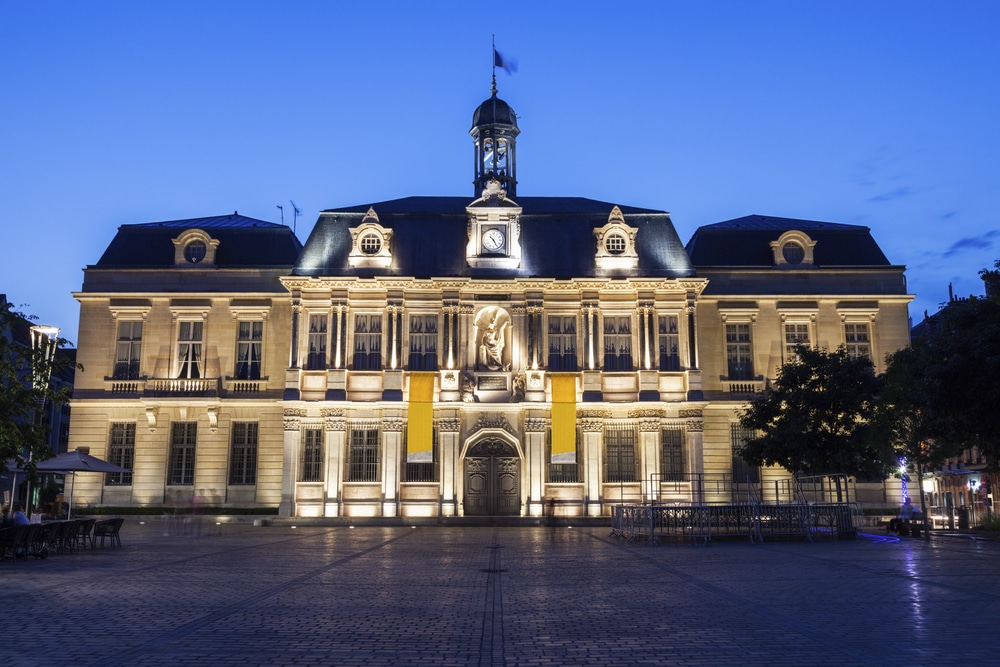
point(506, 64)
point(420, 419)
point(563, 417)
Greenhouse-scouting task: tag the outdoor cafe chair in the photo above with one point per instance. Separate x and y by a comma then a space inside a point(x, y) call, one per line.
point(109, 528)
point(84, 537)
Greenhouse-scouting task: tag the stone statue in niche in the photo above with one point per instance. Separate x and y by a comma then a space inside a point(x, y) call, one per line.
point(492, 339)
point(517, 393)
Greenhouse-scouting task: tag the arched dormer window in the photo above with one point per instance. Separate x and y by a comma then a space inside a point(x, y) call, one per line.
point(371, 243)
point(793, 249)
point(194, 247)
point(616, 243)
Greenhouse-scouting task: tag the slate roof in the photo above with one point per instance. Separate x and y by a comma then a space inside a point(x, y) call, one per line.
point(746, 242)
point(430, 235)
point(243, 243)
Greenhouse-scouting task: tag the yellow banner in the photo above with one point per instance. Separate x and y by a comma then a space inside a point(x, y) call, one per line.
point(420, 419)
point(563, 417)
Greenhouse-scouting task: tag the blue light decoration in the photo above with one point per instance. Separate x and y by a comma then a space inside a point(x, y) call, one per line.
point(902, 476)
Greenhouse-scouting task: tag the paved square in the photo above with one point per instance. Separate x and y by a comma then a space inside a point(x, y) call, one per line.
point(239, 595)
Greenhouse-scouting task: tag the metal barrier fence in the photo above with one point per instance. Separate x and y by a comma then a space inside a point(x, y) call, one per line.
point(753, 521)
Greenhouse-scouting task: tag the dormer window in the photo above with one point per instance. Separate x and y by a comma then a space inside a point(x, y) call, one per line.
point(793, 249)
point(194, 247)
point(195, 251)
point(371, 243)
point(616, 243)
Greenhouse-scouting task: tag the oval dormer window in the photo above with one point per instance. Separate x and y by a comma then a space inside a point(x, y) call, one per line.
point(793, 253)
point(194, 252)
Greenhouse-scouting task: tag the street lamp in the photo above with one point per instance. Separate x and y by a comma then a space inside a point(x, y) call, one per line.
point(44, 341)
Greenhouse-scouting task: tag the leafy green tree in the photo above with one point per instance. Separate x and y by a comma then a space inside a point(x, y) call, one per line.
point(24, 390)
point(814, 418)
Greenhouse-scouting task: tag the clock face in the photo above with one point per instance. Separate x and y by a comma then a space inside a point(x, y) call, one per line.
point(493, 240)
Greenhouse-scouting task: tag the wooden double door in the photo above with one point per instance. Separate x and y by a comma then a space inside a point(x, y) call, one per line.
point(492, 480)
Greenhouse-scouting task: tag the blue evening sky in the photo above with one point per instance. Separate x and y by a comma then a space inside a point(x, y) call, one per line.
point(882, 114)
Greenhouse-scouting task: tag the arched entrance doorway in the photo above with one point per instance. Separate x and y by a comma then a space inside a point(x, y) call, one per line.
point(492, 479)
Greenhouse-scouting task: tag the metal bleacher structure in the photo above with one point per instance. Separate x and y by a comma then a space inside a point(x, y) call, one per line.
point(701, 508)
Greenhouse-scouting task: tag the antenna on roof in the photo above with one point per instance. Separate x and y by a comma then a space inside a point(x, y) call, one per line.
point(282, 209)
point(295, 216)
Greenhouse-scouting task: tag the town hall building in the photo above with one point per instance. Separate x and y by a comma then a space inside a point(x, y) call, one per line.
point(482, 355)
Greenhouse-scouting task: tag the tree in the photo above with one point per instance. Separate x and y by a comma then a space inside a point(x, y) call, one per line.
point(814, 417)
point(24, 390)
point(962, 359)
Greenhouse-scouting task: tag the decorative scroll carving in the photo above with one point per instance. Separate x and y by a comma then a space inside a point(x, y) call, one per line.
point(449, 425)
point(689, 413)
point(637, 413)
point(332, 412)
point(591, 414)
point(491, 448)
point(649, 425)
point(695, 425)
point(535, 425)
point(295, 412)
point(291, 423)
point(336, 424)
point(591, 425)
point(494, 421)
point(393, 425)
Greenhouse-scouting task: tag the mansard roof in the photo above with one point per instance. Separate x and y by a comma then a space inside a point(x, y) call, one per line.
point(745, 242)
point(430, 236)
point(243, 243)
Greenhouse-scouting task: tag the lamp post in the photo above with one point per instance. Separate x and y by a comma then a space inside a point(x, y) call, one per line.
point(44, 341)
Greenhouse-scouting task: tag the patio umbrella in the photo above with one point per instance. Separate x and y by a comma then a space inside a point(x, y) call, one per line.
point(74, 462)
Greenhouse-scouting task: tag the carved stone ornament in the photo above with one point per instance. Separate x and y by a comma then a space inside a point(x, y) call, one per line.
point(591, 425)
point(392, 425)
point(336, 424)
point(591, 414)
point(291, 423)
point(326, 413)
point(649, 425)
point(696, 425)
point(494, 421)
point(535, 425)
point(449, 425)
point(689, 413)
point(295, 412)
point(646, 412)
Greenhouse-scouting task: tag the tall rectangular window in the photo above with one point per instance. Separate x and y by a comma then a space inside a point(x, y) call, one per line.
point(121, 452)
point(743, 472)
point(562, 473)
point(738, 352)
point(189, 349)
point(672, 442)
point(367, 342)
point(619, 452)
point(795, 335)
point(316, 359)
point(562, 343)
point(311, 469)
point(249, 350)
point(183, 439)
point(425, 471)
point(363, 454)
point(423, 343)
point(243, 454)
point(618, 343)
point(857, 338)
point(127, 352)
point(669, 342)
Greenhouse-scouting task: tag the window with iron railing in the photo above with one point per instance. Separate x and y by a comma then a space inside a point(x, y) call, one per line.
point(243, 454)
point(121, 452)
point(363, 454)
point(739, 360)
point(183, 441)
point(249, 350)
point(562, 343)
point(617, 343)
point(672, 444)
point(425, 471)
point(423, 343)
point(367, 342)
point(562, 473)
point(620, 460)
point(743, 472)
point(128, 350)
point(311, 469)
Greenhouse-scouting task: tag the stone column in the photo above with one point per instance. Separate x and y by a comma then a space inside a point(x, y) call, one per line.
point(448, 433)
point(649, 459)
point(392, 441)
point(335, 439)
point(290, 459)
point(593, 462)
point(534, 452)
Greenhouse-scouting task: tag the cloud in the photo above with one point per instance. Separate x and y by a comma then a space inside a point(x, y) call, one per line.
point(980, 242)
point(904, 191)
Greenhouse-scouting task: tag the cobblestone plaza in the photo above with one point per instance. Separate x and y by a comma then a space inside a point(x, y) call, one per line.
point(322, 595)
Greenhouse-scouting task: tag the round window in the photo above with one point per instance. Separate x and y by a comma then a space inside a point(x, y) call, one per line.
point(371, 244)
point(793, 253)
point(195, 251)
point(614, 244)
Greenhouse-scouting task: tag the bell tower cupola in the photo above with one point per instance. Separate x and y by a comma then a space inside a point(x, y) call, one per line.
point(494, 135)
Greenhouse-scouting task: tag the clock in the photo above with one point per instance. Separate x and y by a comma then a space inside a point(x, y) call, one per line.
point(493, 239)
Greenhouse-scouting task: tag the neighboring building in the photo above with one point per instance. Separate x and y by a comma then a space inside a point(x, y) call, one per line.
point(56, 418)
point(495, 354)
